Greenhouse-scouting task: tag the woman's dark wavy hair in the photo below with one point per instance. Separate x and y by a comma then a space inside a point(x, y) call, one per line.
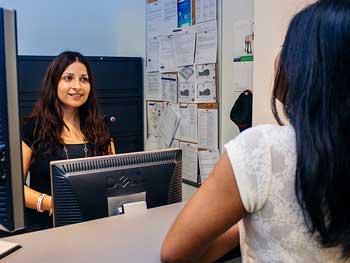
point(48, 114)
point(313, 84)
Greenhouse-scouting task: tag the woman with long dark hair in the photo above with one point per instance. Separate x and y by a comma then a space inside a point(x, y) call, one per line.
point(289, 184)
point(64, 124)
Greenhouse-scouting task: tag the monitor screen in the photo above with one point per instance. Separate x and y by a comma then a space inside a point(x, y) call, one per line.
point(90, 188)
point(11, 173)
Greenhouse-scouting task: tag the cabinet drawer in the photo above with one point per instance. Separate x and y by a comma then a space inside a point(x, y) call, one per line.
point(125, 144)
point(127, 113)
point(117, 76)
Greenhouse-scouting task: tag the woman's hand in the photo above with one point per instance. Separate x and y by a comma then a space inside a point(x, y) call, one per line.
point(47, 203)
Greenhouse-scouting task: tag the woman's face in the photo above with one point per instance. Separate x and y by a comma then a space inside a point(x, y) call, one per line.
point(74, 86)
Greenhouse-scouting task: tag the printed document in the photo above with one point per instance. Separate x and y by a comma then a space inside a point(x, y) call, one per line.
point(205, 10)
point(154, 112)
point(184, 10)
point(206, 42)
point(189, 161)
point(169, 16)
point(176, 108)
point(153, 54)
point(206, 92)
point(169, 87)
point(185, 45)
point(154, 143)
point(154, 18)
point(206, 85)
point(175, 144)
point(208, 128)
point(207, 160)
point(187, 82)
point(168, 125)
point(167, 54)
point(154, 86)
point(188, 125)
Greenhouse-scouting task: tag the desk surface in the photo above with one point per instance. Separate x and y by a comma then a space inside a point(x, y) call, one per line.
point(123, 238)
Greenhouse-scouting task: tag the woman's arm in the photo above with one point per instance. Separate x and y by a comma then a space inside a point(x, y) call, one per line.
point(222, 245)
point(111, 147)
point(31, 196)
point(205, 225)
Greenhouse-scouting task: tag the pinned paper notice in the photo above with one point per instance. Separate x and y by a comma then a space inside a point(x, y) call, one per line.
point(153, 54)
point(154, 86)
point(206, 42)
point(168, 125)
point(169, 87)
point(205, 10)
point(189, 161)
point(185, 45)
point(206, 85)
point(154, 143)
point(208, 128)
point(154, 18)
point(188, 125)
point(154, 112)
point(187, 82)
point(167, 54)
point(207, 160)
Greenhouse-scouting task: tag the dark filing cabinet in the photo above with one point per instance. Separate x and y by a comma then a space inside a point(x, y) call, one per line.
point(119, 87)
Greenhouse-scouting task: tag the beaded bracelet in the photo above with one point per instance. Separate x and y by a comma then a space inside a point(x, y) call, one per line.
point(38, 204)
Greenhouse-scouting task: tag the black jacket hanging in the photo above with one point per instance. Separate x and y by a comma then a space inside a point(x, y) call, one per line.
point(241, 112)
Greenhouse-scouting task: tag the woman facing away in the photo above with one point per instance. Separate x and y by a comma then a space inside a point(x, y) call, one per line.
point(65, 124)
point(288, 184)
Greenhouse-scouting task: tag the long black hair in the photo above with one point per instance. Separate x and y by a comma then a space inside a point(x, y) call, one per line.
point(48, 114)
point(313, 84)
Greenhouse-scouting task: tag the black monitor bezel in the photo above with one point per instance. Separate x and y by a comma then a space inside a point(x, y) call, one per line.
point(79, 166)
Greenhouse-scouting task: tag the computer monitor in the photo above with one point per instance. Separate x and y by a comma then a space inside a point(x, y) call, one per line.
point(11, 173)
point(90, 188)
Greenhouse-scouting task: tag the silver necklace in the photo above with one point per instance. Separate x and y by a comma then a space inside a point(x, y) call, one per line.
point(65, 149)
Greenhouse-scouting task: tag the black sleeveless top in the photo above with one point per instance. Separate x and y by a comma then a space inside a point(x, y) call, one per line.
point(40, 172)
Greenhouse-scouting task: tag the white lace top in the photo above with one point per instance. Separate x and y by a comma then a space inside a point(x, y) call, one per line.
point(263, 159)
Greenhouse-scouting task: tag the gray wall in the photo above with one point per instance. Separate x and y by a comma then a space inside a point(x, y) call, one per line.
point(271, 19)
point(94, 28)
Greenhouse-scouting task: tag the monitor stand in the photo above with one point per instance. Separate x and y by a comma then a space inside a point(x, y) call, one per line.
point(7, 248)
point(135, 207)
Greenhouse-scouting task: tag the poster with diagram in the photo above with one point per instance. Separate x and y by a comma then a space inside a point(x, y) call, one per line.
point(187, 80)
point(205, 83)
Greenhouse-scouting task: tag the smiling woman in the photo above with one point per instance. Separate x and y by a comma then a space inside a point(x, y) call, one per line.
point(65, 124)
point(74, 86)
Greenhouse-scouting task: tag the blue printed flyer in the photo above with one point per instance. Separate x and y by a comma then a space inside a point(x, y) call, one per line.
point(184, 13)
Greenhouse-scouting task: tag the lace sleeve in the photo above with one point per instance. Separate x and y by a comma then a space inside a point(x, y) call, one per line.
point(250, 158)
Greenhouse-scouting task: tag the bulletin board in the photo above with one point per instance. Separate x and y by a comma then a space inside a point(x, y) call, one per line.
point(182, 82)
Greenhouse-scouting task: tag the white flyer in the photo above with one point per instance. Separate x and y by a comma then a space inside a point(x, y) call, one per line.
point(189, 161)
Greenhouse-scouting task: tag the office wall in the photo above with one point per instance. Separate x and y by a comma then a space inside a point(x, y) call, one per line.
point(102, 28)
point(271, 18)
point(231, 12)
